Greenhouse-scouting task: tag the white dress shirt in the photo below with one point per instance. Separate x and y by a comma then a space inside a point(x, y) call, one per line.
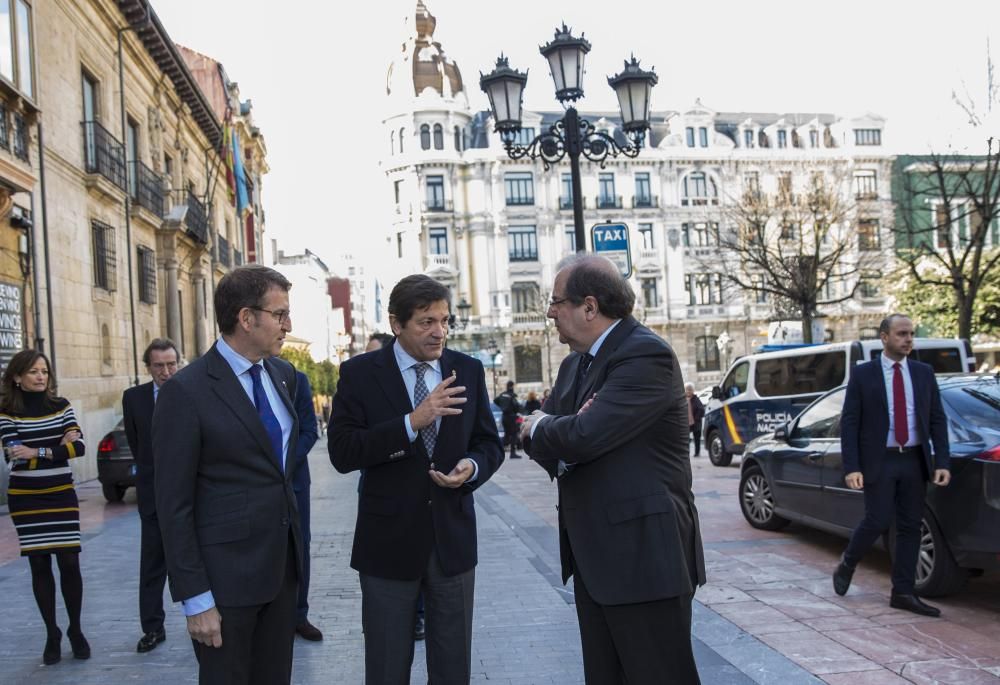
point(911, 410)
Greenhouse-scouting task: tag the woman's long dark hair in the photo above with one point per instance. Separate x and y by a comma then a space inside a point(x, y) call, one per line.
point(11, 397)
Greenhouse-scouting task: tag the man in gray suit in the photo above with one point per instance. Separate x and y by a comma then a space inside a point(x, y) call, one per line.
point(224, 432)
point(615, 433)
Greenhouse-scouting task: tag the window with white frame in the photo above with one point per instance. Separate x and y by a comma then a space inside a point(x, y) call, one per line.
point(703, 288)
point(646, 234)
point(748, 137)
point(435, 192)
point(437, 240)
point(865, 184)
point(703, 136)
point(699, 189)
point(689, 136)
point(706, 354)
point(569, 239)
point(438, 137)
point(650, 297)
point(867, 136)
point(519, 188)
point(700, 234)
point(522, 244)
point(782, 138)
point(868, 235)
point(524, 298)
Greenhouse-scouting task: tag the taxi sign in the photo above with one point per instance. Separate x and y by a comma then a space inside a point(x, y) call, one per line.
point(611, 241)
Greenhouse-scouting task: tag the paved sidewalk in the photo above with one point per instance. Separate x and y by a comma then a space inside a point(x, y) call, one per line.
point(525, 624)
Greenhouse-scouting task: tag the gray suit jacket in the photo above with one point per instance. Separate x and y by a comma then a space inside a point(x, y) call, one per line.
point(627, 519)
point(226, 510)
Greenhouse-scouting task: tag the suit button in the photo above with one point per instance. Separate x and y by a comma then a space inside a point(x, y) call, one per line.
point(430, 502)
point(284, 521)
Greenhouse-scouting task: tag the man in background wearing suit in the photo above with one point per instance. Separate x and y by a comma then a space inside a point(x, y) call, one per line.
point(615, 434)
point(416, 417)
point(224, 433)
point(894, 438)
point(161, 360)
point(308, 434)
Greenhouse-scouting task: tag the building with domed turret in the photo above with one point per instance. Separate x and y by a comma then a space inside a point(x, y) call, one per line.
point(493, 229)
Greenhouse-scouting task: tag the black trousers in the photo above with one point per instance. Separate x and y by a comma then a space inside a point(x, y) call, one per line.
point(696, 434)
point(257, 641)
point(152, 574)
point(302, 609)
point(388, 609)
point(900, 490)
point(638, 644)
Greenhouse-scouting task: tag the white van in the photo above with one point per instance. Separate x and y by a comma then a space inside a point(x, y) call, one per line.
point(765, 390)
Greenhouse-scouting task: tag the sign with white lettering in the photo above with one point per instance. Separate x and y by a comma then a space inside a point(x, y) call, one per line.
point(11, 322)
point(611, 241)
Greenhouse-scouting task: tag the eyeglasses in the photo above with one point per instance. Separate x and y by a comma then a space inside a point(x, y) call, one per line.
point(556, 301)
point(281, 315)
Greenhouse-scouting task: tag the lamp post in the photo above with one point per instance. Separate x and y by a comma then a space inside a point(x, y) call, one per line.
point(570, 135)
point(725, 344)
point(494, 351)
point(463, 308)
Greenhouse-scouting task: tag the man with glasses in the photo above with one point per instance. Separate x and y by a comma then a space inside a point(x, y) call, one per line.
point(416, 417)
point(224, 438)
point(161, 360)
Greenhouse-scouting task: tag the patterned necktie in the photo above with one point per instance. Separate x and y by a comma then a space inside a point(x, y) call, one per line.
point(430, 433)
point(266, 414)
point(902, 431)
point(581, 372)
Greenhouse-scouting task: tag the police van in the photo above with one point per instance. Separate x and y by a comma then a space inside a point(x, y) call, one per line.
point(765, 390)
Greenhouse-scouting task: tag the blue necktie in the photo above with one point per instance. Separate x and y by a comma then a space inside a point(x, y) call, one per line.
point(420, 393)
point(266, 414)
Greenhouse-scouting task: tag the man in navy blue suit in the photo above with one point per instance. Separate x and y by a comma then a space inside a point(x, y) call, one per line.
point(308, 434)
point(416, 417)
point(894, 438)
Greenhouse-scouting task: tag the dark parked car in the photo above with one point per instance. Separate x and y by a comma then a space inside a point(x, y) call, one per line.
point(796, 474)
point(115, 464)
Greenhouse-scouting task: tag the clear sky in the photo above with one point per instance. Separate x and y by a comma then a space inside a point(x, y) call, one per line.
point(316, 71)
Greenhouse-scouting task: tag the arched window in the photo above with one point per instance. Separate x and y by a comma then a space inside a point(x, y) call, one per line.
point(401, 141)
point(425, 137)
point(699, 189)
point(458, 140)
point(392, 142)
point(438, 137)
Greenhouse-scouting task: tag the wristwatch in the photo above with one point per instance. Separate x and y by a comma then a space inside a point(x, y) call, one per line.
point(42, 453)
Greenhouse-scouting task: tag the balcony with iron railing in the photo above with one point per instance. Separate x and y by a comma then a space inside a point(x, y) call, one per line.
point(438, 261)
point(103, 154)
point(609, 201)
point(436, 205)
point(567, 202)
point(4, 126)
point(223, 252)
point(534, 319)
point(20, 137)
point(146, 188)
point(645, 201)
point(196, 217)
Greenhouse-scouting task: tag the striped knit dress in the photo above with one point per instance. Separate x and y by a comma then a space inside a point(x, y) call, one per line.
point(41, 498)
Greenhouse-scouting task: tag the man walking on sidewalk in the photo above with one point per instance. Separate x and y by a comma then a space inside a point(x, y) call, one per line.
point(894, 438)
point(161, 361)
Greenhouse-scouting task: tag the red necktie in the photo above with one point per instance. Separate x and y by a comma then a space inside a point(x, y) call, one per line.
point(899, 406)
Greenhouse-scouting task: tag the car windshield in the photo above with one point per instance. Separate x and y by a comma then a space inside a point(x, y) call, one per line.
point(976, 404)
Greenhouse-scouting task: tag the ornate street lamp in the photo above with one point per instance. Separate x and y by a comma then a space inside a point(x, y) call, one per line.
point(494, 351)
point(570, 135)
point(461, 322)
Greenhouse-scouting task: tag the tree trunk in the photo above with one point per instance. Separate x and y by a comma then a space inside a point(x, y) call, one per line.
point(965, 318)
point(807, 328)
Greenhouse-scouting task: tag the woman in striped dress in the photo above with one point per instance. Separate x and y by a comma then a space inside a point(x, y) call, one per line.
point(40, 434)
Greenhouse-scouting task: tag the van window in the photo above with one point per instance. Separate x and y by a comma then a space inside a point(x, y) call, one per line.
point(736, 381)
point(800, 375)
point(942, 359)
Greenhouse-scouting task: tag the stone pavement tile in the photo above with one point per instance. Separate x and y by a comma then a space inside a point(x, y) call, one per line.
point(824, 624)
point(881, 677)
point(798, 603)
point(946, 672)
point(712, 593)
point(884, 645)
point(817, 653)
point(750, 615)
point(953, 639)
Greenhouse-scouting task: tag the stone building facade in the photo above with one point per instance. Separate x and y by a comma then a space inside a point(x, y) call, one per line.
point(493, 229)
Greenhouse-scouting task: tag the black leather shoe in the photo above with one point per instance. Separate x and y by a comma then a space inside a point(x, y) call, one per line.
point(913, 603)
point(81, 648)
point(53, 649)
point(307, 631)
point(148, 642)
point(842, 578)
point(418, 629)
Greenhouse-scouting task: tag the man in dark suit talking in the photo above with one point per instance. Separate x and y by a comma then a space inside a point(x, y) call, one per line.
point(224, 434)
point(161, 361)
point(615, 434)
point(894, 438)
point(415, 416)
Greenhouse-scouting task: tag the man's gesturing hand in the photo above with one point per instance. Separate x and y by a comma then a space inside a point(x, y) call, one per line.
point(854, 480)
point(206, 627)
point(462, 472)
point(441, 402)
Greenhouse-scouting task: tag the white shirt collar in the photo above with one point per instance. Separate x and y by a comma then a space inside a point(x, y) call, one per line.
point(600, 341)
point(405, 360)
point(887, 363)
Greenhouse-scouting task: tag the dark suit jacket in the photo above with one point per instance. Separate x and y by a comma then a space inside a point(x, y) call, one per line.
point(137, 410)
point(627, 519)
point(402, 514)
point(864, 425)
point(308, 431)
point(225, 508)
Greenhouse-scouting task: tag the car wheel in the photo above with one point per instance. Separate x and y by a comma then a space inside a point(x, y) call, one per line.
point(757, 501)
point(113, 492)
point(937, 573)
point(717, 453)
